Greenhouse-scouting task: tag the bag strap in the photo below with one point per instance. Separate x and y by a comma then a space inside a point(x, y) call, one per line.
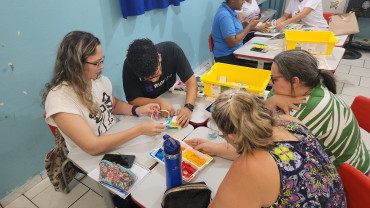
point(60, 142)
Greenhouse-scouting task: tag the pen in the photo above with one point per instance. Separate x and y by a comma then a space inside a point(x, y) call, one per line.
point(259, 44)
point(114, 188)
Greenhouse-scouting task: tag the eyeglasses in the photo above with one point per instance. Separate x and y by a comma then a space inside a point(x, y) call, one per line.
point(274, 78)
point(98, 65)
point(158, 73)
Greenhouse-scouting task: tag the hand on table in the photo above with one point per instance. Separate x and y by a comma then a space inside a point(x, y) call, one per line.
point(285, 103)
point(204, 146)
point(263, 29)
point(168, 107)
point(183, 116)
point(148, 109)
point(151, 128)
point(280, 26)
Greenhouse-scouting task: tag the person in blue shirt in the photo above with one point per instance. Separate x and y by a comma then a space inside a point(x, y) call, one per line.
point(228, 33)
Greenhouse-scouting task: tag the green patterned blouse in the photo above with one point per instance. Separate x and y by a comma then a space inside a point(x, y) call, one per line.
point(335, 127)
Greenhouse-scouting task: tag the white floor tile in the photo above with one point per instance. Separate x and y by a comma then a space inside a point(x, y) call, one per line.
point(18, 192)
point(360, 71)
point(355, 62)
point(339, 87)
point(365, 55)
point(38, 188)
point(355, 90)
point(44, 175)
point(50, 198)
point(347, 99)
point(347, 78)
point(10, 198)
point(88, 200)
point(342, 68)
point(92, 184)
point(21, 202)
point(365, 82)
point(367, 63)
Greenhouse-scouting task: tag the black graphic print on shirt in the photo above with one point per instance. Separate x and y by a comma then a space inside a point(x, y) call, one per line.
point(106, 117)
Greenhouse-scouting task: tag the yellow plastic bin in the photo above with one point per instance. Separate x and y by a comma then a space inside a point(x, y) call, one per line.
point(315, 42)
point(252, 79)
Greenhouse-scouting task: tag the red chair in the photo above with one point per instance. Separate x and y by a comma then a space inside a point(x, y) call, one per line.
point(327, 16)
point(361, 108)
point(356, 186)
point(210, 44)
point(52, 128)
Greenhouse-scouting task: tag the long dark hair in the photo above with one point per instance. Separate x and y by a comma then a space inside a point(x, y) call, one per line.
point(301, 64)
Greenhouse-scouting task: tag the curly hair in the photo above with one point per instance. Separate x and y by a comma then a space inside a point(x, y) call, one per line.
point(247, 116)
point(301, 64)
point(143, 57)
point(73, 51)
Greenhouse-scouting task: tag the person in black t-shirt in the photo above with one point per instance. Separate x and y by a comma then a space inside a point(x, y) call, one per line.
point(150, 70)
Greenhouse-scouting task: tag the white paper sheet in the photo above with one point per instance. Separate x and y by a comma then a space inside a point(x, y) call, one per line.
point(139, 171)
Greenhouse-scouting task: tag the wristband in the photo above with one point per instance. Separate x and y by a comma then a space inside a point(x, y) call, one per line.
point(133, 110)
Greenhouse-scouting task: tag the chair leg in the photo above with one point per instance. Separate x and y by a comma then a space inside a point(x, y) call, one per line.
point(64, 175)
point(212, 59)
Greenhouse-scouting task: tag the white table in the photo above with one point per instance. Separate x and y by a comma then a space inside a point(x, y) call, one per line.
point(245, 52)
point(139, 146)
point(150, 191)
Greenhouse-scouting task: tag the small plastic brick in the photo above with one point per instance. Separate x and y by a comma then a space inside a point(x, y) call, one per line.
point(187, 170)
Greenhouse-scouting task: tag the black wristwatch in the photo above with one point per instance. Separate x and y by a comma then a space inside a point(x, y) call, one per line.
point(190, 106)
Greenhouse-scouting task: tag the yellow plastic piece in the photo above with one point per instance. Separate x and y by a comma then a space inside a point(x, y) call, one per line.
point(252, 79)
point(195, 159)
point(315, 39)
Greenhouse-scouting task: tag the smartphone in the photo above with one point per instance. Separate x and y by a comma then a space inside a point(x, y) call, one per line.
point(124, 160)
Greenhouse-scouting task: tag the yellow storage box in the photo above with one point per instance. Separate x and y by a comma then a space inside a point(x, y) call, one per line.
point(315, 42)
point(252, 79)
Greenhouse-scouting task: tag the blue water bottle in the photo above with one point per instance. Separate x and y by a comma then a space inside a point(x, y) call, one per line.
point(172, 160)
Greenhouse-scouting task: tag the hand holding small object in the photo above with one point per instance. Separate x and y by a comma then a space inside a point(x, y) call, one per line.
point(147, 109)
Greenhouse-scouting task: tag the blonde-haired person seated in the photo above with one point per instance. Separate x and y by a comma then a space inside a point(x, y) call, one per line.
point(277, 163)
point(79, 101)
point(295, 76)
point(309, 12)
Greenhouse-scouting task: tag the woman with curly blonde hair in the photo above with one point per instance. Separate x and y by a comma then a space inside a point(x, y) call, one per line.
point(276, 163)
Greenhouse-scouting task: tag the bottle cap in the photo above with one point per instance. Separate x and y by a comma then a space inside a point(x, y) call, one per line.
point(171, 146)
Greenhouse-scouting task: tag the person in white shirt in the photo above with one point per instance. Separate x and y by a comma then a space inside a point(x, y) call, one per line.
point(79, 101)
point(250, 9)
point(309, 12)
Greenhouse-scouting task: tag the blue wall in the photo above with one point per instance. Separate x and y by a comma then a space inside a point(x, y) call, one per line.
point(29, 36)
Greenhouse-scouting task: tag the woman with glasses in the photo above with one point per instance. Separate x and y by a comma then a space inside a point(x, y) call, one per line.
point(278, 163)
point(296, 79)
point(79, 101)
